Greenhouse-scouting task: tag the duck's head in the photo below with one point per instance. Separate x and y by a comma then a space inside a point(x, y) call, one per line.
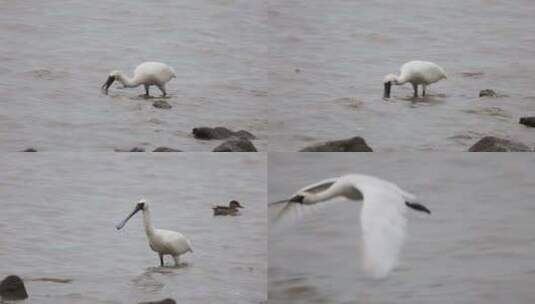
point(234, 204)
point(389, 80)
point(114, 75)
point(142, 205)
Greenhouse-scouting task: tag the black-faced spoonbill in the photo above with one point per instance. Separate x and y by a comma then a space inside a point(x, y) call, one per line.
point(147, 74)
point(382, 216)
point(231, 209)
point(416, 73)
point(164, 242)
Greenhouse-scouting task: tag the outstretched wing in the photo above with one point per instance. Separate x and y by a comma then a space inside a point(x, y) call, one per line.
point(383, 226)
point(319, 186)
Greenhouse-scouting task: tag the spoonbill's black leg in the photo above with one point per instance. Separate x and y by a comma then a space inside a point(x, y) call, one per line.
point(146, 90)
point(423, 90)
point(161, 260)
point(415, 87)
point(162, 88)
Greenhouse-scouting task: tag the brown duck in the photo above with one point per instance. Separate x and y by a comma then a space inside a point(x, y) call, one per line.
point(231, 209)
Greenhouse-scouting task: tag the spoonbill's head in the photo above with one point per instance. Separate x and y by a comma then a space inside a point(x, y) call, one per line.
point(111, 78)
point(234, 204)
point(142, 205)
point(301, 198)
point(388, 81)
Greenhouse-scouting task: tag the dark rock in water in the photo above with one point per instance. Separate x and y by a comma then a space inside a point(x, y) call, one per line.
point(29, 150)
point(244, 134)
point(166, 149)
point(355, 144)
point(164, 301)
point(236, 144)
point(528, 121)
point(12, 288)
point(219, 133)
point(161, 104)
point(134, 149)
point(495, 144)
point(487, 93)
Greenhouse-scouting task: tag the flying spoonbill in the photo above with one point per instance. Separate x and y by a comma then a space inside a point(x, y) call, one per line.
point(164, 242)
point(147, 74)
point(382, 216)
point(416, 73)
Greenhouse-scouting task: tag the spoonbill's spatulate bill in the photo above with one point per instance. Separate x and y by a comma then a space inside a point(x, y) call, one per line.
point(146, 74)
point(382, 216)
point(164, 242)
point(416, 73)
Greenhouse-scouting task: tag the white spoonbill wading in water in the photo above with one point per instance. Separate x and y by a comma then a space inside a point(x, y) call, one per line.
point(164, 242)
point(382, 216)
point(147, 74)
point(416, 73)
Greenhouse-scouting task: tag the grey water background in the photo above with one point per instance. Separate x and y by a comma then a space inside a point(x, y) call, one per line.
point(59, 211)
point(55, 55)
point(328, 60)
point(477, 246)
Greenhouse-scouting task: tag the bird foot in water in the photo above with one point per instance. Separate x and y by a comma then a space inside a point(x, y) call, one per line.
point(145, 96)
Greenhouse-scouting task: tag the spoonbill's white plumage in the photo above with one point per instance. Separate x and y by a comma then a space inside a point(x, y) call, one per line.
point(146, 74)
point(164, 242)
point(382, 217)
point(416, 73)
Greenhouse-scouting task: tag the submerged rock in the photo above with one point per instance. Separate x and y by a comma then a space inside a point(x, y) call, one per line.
point(29, 150)
point(354, 144)
point(134, 149)
point(166, 149)
point(487, 93)
point(219, 133)
point(164, 301)
point(528, 121)
point(236, 144)
point(161, 104)
point(495, 144)
point(12, 288)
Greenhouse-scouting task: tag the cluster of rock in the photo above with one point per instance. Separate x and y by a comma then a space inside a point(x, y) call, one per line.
point(354, 144)
point(496, 144)
point(236, 141)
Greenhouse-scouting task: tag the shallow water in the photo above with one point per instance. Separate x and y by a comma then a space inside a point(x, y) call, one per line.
point(328, 60)
point(59, 213)
point(476, 247)
point(55, 56)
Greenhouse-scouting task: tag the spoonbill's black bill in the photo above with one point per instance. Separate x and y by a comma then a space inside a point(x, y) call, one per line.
point(107, 84)
point(123, 222)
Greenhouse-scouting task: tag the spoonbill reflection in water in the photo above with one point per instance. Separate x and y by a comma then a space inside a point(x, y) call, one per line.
point(164, 242)
point(146, 74)
point(416, 73)
point(382, 216)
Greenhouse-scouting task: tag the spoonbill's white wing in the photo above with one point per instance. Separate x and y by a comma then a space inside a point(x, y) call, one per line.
point(422, 71)
point(318, 187)
point(172, 242)
point(154, 71)
point(383, 227)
